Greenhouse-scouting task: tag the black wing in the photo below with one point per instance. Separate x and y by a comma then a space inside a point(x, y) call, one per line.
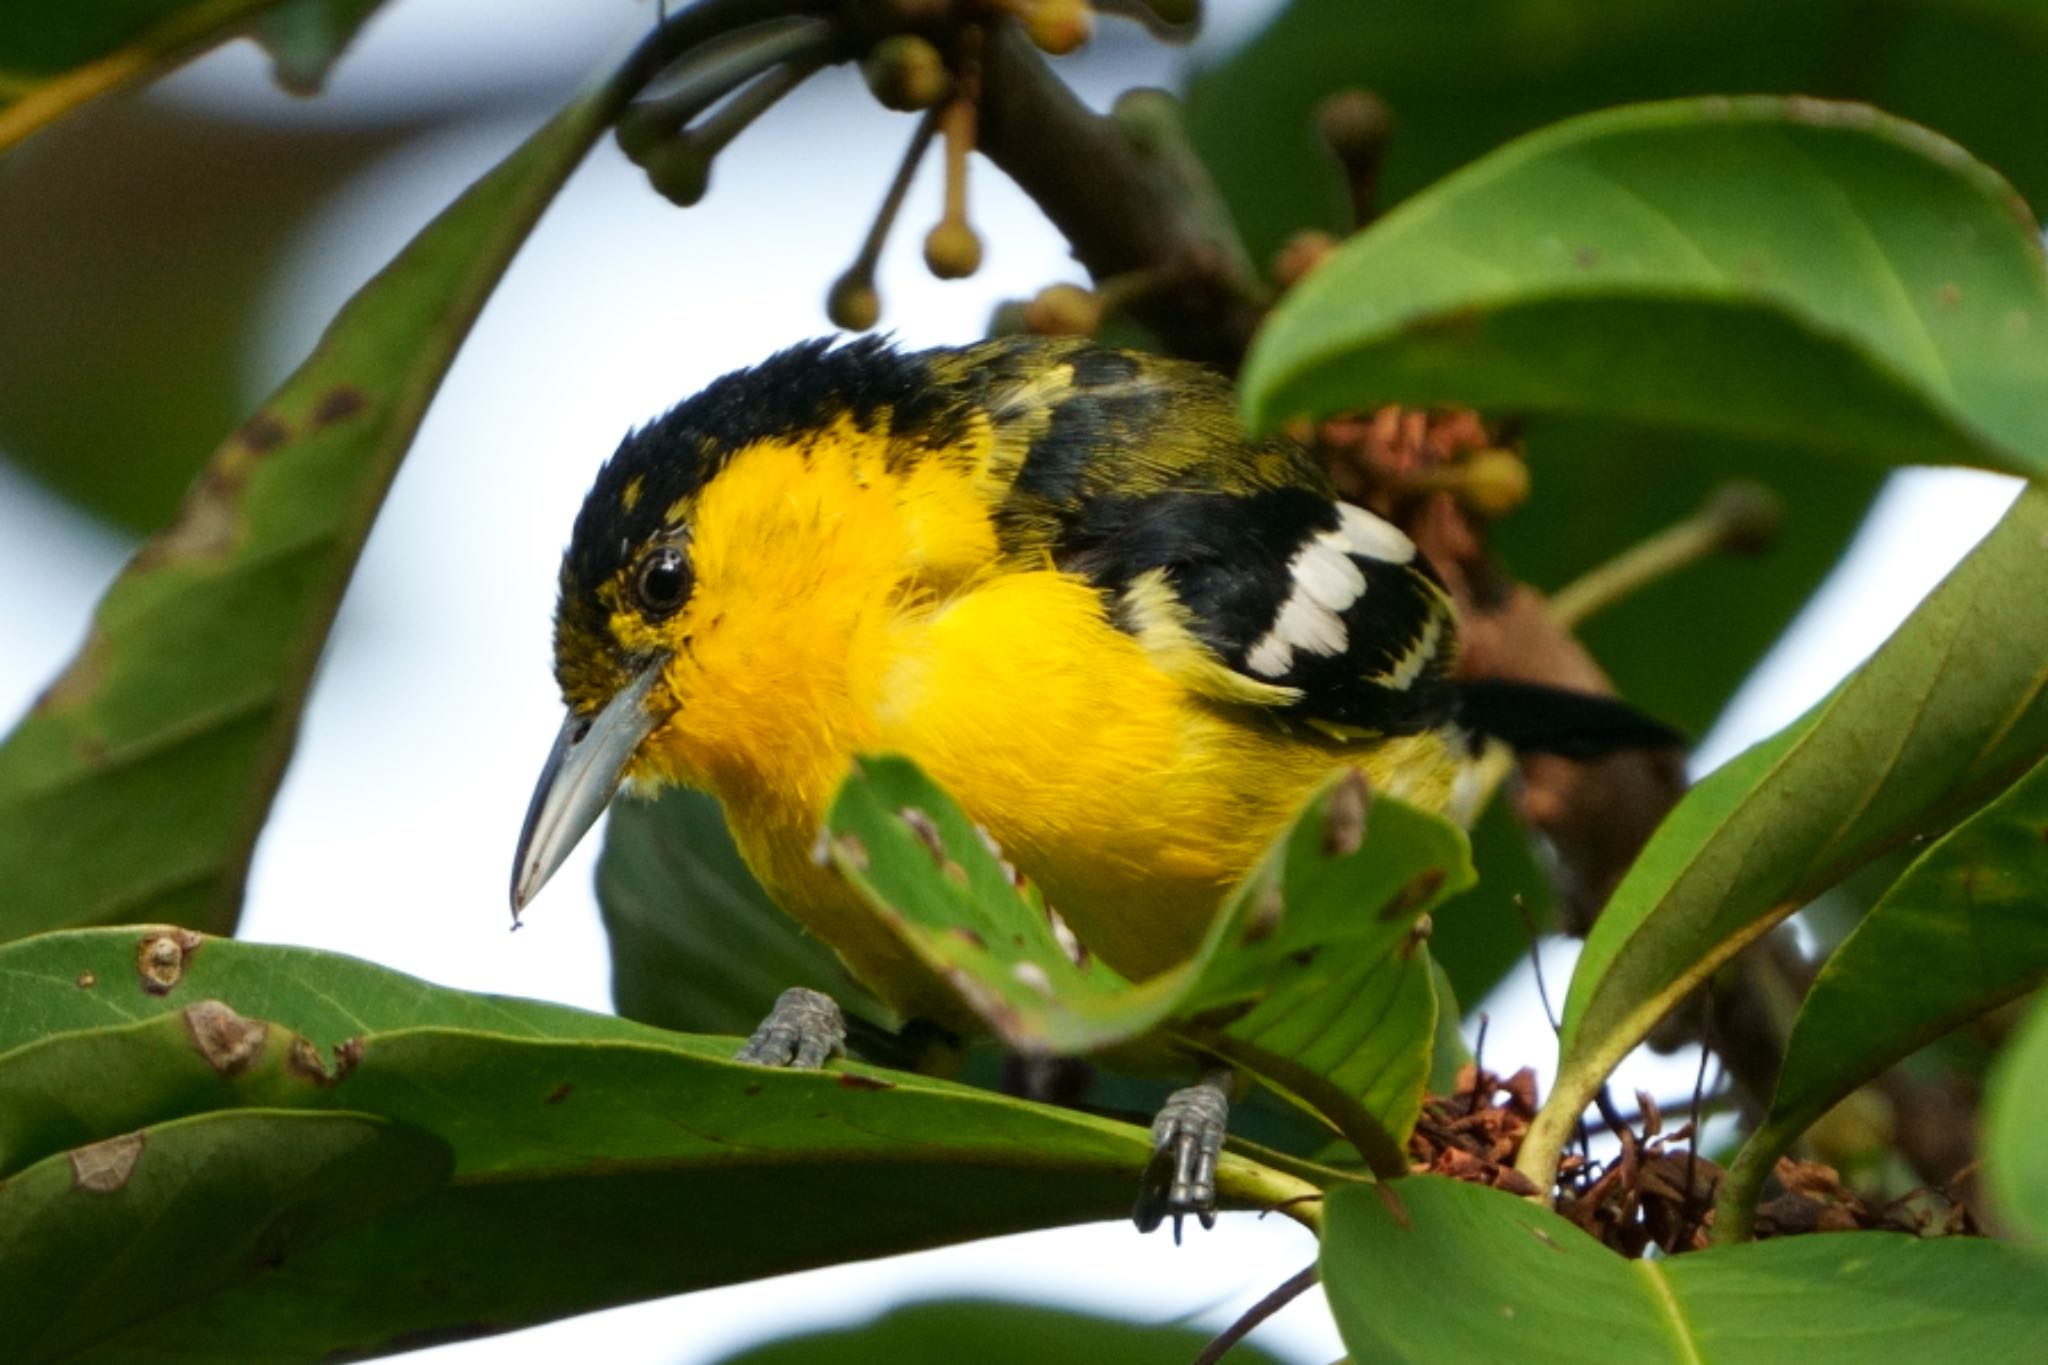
point(1311, 606)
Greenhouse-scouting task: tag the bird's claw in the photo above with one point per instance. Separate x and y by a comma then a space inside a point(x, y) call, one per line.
point(1187, 1137)
point(804, 1031)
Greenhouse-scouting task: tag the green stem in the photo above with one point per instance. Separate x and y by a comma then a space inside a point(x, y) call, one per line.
point(1240, 1179)
point(1735, 1204)
point(1738, 516)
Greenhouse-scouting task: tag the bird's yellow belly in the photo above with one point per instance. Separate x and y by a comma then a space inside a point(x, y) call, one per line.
point(1133, 806)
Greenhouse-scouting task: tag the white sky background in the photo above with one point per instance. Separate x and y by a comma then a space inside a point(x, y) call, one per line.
point(392, 837)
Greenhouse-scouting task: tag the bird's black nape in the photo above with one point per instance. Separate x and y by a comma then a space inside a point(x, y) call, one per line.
point(1535, 719)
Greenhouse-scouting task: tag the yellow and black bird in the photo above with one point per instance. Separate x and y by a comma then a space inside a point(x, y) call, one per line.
point(1127, 638)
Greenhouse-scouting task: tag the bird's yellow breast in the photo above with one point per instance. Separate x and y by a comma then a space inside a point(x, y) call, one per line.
point(849, 603)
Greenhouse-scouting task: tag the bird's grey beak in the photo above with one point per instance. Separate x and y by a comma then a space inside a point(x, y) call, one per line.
point(582, 772)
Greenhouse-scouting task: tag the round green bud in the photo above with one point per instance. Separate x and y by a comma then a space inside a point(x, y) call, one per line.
point(953, 250)
point(906, 72)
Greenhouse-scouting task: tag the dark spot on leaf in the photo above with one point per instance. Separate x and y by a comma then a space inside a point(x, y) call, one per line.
point(104, 1167)
point(1344, 817)
point(263, 433)
point(1305, 956)
point(206, 523)
point(1586, 257)
point(1421, 888)
point(161, 956)
point(338, 404)
point(967, 935)
point(752, 1089)
point(86, 981)
point(80, 681)
point(347, 1053)
point(274, 1243)
point(559, 1093)
point(1418, 934)
point(227, 1041)
point(927, 832)
point(1949, 295)
point(849, 1080)
point(304, 1061)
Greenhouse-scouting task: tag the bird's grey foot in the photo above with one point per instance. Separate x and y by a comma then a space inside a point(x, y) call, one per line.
point(1187, 1137)
point(805, 1030)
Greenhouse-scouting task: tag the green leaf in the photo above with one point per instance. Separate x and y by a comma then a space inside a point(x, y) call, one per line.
point(2015, 1117)
point(1448, 1053)
point(136, 786)
point(1949, 711)
point(92, 978)
point(1463, 1272)
point(1821, 277)
point(54, 58)
point(583, 1161)
point(696, 942)
point(1478, 936)
point(122, 429)
point(1959, 934)
point(306, 37)
point(1311, 961)
point(144, 1225)
point(1463, 76)
point(990, 1332)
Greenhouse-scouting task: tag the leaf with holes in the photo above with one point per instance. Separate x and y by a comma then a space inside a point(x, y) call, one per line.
point(1311, 971)
point(136, 786)
point(491, 1163)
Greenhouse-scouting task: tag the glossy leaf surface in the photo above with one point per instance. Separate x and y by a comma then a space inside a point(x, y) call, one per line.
point(546, 1161)
point(1961, 932)
point(2015, 1116)
point(1475, 1274)
point(1714, 265)
point(1948, 711)
point(1311, 960)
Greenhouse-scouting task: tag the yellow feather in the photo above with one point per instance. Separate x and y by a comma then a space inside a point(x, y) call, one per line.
point(850, 598)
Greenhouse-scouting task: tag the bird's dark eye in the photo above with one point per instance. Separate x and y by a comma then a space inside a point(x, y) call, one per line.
point(663, 581)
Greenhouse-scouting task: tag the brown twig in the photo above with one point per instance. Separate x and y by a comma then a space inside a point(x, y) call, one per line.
point(1297, 1285)
point(1100, 191)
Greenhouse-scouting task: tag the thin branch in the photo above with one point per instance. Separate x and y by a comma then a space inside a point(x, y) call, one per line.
point(1296, 1285)
point(1111, 203)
